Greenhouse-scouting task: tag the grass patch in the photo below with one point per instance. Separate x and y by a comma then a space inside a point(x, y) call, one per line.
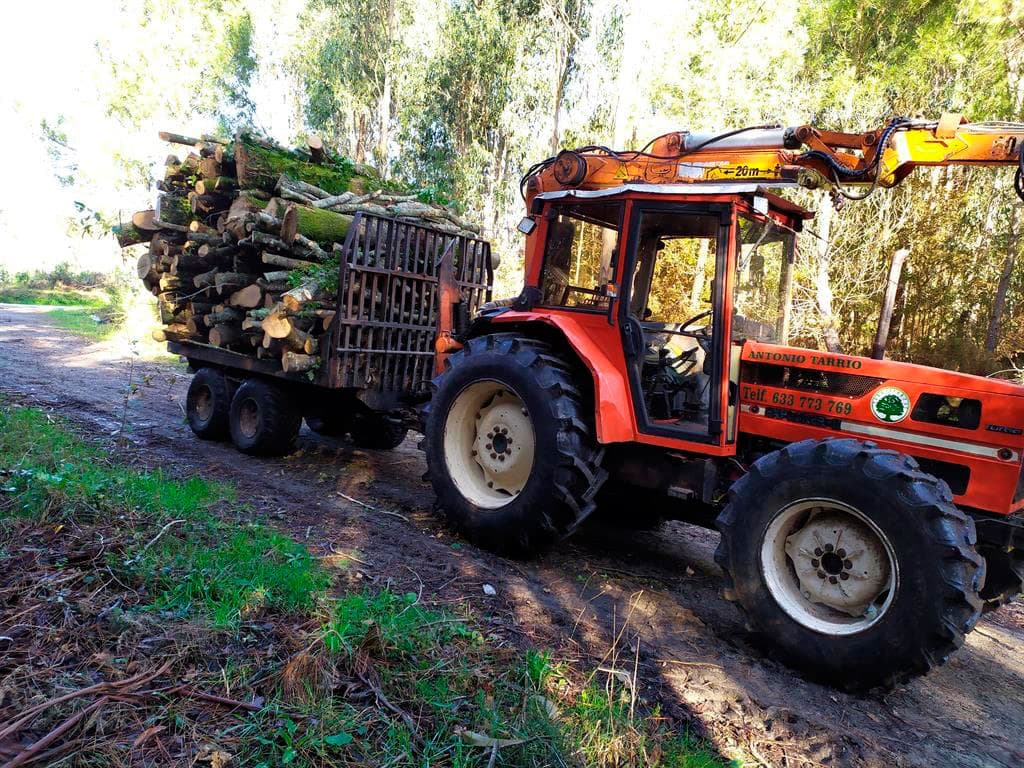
point(83, 322)
point(201, 565)
point(62, 297)
point(120, 571)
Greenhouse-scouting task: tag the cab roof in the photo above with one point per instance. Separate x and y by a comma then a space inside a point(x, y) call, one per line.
point(777, 202)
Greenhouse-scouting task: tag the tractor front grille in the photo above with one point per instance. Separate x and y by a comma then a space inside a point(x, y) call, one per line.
point(1019, 496)
point(808, 379)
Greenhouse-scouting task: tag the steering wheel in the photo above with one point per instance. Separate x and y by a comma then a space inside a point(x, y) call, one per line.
point(700, 334)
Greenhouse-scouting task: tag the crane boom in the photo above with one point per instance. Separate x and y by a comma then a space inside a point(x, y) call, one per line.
point(805, 154)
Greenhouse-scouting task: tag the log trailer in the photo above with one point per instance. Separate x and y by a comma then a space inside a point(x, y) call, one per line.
point(870, 510)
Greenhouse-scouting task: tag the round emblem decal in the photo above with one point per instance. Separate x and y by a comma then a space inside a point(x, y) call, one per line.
point(890, 404)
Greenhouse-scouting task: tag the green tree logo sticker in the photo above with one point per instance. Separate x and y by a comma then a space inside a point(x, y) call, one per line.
point(890, 405)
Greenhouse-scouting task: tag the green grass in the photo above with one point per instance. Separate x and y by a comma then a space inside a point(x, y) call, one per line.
point(63, 297)
point(202, 565)
point(199, 563)
point(81, 322)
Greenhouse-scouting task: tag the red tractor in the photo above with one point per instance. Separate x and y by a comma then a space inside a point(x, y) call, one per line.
point(869, 510)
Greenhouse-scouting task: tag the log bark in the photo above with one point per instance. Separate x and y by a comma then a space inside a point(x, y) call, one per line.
point(205, 279)
point(177, 138)
point(320, 226)
point(207, 204)
point(173, 208)
point(286, 183)
point(223, 335)
point(209, 168)
point(129, 234)
point(293, 362)
point(296, 298)
point(277, 260)
point(229, 315)
point(231, 280)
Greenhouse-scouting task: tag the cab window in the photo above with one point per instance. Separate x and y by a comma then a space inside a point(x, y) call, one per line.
point(579, 256)
point(763, 285)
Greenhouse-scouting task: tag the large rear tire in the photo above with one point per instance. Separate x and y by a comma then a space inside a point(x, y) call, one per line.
point(854, 563)
point(509, 447)
point(264, 420)
point(208, 404)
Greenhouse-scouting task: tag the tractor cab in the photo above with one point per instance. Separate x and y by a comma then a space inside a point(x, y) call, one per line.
point(675, 279)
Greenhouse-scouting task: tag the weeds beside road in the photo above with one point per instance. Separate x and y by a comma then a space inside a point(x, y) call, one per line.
point(145, 618)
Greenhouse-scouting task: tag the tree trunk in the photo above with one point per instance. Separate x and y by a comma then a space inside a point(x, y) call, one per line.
point(823, 286)
point(999, 302)
point(786, 301)
point(899, 257)
point(316, 148)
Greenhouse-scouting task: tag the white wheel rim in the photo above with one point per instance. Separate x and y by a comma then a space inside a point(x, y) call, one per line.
point(489, 444)
point(829, 567)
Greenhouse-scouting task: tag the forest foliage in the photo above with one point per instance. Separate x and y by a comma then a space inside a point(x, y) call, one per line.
point(460, 96)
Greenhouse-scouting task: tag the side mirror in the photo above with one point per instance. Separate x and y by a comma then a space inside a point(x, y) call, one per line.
point(526, 225)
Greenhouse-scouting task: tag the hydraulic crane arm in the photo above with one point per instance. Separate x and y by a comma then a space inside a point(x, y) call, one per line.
point(804, 154)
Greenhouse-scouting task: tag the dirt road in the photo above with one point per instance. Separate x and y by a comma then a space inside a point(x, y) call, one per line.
point(657, 594)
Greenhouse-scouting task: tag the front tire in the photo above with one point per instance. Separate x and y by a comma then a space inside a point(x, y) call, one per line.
point(855, 563)
point(509, 447)
point(264, 420)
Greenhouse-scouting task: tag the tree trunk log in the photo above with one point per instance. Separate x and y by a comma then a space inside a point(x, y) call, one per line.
point(249, 297)
point(145, 220)
point(223, 335)
point(229, 315)
point(276, 260)
point(316, 148)
point(129, 234)
point(293, 362)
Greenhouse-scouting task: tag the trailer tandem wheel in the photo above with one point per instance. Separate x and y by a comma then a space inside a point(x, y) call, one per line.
point(208, 404)
point(264, 419)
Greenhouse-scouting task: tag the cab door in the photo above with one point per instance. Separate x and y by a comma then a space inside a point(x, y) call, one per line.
point(674, 320)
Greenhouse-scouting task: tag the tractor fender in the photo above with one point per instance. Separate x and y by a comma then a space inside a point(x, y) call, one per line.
point(599, 348)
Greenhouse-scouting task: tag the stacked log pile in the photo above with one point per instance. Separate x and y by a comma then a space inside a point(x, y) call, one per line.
point(244, 240)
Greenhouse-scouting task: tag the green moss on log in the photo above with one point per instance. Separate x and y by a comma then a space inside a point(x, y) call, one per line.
point(323, 227)
point(261, 166)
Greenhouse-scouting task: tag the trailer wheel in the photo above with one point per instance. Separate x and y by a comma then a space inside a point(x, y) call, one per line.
point(510, 452)
point(377, 432)
point(264, 420)
point(208, 403)
point(855, 563)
